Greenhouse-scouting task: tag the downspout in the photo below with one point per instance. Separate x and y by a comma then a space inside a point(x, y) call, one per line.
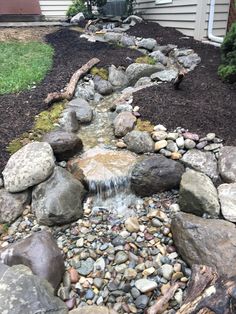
point(210, 24)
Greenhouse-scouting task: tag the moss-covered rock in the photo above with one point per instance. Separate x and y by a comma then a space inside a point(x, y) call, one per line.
point(44, 122)
point(146, 60)
point(102, 72)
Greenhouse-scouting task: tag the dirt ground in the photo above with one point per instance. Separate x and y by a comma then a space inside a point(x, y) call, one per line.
point(25, 34)
point(17, 111)
point(203, 104)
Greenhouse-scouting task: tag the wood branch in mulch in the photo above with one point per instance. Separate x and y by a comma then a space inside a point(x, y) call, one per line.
point(203, 103)
point(17, 111)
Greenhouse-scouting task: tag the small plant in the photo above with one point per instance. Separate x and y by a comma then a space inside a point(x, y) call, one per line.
point(145, 59)
point(102, 72)
point(76, 7)
point(227, 70)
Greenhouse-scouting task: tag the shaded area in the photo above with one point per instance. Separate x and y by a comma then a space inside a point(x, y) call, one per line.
point(204, 103)
point(17, 111)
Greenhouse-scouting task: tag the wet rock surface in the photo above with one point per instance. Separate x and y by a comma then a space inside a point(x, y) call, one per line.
point(139, 142)
point(155, 174)
point(227, 165)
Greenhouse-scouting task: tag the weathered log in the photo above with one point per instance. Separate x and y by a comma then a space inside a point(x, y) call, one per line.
point(162, 302)
point(70, 89)
point(207, 293)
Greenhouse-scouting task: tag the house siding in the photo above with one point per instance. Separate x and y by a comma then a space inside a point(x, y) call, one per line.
point(54, 9)
point(190, 17)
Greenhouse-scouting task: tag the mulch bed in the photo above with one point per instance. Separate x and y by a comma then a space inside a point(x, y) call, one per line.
point(203, 104)
point(17, 111)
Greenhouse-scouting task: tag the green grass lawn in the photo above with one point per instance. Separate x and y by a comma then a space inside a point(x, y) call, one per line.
point(23, 64)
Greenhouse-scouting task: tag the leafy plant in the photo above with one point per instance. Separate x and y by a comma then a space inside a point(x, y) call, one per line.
point(227, 70)
point(76, 7)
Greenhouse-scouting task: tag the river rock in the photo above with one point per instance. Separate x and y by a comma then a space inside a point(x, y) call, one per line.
point(132, 224)
point(85, 266)
point(159, 57)
point(190, 61)
point(124, 123)
point(165, 76)
point(29, 166)
point(123, 107)
point(103, 87)
point(12, 205)
point(84, 112)
point(202, 161)
point(210, 242)
point(227, 196)
point(155, 174)
point(127, 41)
point(227, 164)
point(58, 200)
point(139, 142)
point(64, 144)
point(86, 92)
point(145, 285)
point(137, 70)
point(40, 253)
point(147, 43)
point(117, 77)
point(93, 309)
point(68, 121)
point(198, 195)
point(21, 292)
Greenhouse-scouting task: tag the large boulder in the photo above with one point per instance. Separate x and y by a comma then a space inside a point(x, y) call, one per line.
point(190, 61)
point(21, 292)
point(58, 200)
point(93, 309)
point(137, 70)
point(64, 144)
point(40, 253)
point(155, 174)
point(77, 18)
point(117, 77)
point(29, 166)
point(158, 56)
point(12, 205)
point(227, 164)
point(84, 112)
point(139, 142)
point(124, 123)
point(147, 43)
point(210, 242)
point(198, 195)
point(227, 196)
point(202, 161)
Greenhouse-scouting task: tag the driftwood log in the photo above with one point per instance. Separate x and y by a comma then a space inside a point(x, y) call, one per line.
point(70, 89)
point(208, 293)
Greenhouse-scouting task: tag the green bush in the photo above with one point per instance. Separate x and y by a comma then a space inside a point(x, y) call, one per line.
point(227, 70)
point(76, 7)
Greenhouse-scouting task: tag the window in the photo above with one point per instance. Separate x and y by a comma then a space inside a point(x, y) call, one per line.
point(163, 1)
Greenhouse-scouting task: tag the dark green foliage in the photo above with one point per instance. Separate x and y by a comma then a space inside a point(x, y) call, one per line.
point(84, 6)
point(227, 70)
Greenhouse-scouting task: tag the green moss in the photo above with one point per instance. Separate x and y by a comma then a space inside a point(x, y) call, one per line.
point(144, 125)
point(146, 60)
point(102, 72)
point(44, 122)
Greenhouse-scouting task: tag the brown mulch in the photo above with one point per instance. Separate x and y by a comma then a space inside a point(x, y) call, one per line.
point(17, 111)
point(203, 104)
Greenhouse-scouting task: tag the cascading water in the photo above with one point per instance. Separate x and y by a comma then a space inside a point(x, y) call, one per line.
point(107, 173)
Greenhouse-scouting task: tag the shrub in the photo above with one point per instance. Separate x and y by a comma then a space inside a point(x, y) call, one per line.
point(227, 70)
point(76, 7)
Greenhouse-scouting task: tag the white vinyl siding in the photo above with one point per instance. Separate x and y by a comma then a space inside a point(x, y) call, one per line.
point(188, 16)
point(54, 9)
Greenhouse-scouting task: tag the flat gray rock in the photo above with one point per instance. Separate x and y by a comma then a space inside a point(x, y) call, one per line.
point(21, 292)
point(58, 200)
point(137, 70)
point(64, 144)
point(198, 195)
point(165, 76)
point(84, 112)
point(117, 77)
point(12, 205)
point(40, 253)
point(155, 174)
point(227, 196)
point(227, 164)
point(202, 161)
point(29, 166)
point(139, 142)
point(147, 43)
point(210, 242)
